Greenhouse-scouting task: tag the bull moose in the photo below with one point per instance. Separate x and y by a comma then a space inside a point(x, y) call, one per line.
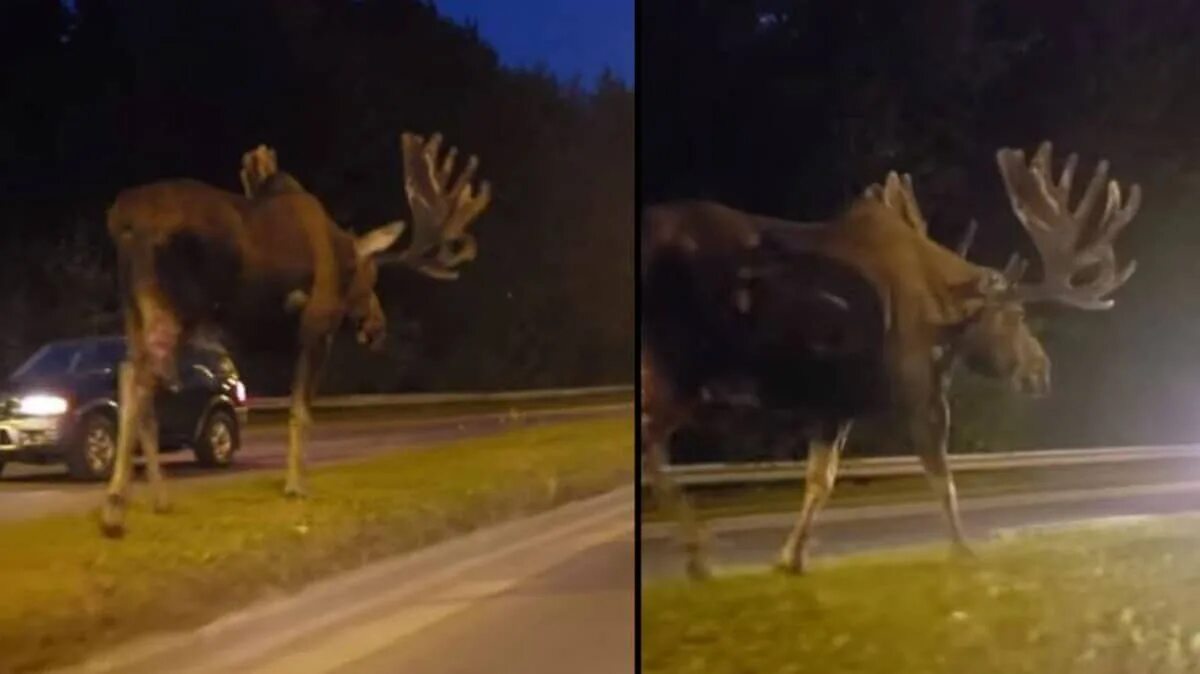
point(193, 257)
point(837, 320)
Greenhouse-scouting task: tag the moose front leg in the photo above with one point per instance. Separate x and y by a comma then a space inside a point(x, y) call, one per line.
point(313, 354)
point(820, 476)
point(671, 499)
point(148, 434)
point(931, 437)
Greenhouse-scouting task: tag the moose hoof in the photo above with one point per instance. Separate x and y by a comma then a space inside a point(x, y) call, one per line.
point(111, 526)
point(112, 517)
point(112, 530)
point(698, 569)
point(791, 568)
point(295, 491)
point(162, 506)
point(792, 565)
point(960, 551)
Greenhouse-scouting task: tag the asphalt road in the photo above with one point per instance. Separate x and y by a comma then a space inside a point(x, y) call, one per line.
point(31, 491)
point(549, 594)
point(754, 541)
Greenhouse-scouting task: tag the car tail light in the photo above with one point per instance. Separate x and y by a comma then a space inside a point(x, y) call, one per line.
point(239, 392)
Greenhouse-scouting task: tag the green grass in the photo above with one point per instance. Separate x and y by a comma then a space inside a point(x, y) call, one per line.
point(66, 591)
point(732, 500)
point(1117, 599)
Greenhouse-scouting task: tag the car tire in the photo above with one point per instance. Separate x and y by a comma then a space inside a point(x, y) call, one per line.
point(93, 451)
point(219, 440)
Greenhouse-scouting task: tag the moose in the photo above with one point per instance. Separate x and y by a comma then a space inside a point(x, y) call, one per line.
point(193, 258)
point(831, 322)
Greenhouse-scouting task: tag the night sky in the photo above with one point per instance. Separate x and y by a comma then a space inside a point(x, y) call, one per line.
point(572, 37)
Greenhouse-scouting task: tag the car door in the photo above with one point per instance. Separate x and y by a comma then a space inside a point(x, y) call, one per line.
point(179, 411)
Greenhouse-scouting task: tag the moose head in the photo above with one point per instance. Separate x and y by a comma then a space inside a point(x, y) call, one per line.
point(441, 212)
point(1079, 267)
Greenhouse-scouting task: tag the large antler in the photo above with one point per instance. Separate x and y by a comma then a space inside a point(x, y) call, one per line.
point(1064, 241)
point(441, 212)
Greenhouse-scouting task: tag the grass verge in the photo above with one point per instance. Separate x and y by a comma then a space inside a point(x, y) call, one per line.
point(733, 500)
point(1113, 599)
point(66, 591)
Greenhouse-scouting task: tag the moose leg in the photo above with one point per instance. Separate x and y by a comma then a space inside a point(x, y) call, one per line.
point(135, 390)
point(932, 441)
point(308, 369)
point(661, 415)
point(820, 475)
point(148, 433)
point(672, 500)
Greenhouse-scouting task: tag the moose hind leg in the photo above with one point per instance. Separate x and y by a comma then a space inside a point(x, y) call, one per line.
point(820, 476)
point(135, 391)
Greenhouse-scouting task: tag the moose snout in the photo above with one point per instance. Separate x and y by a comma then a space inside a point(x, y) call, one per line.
point(1035, 382)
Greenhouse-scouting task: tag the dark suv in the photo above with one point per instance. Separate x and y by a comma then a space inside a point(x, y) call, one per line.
point(60, 406)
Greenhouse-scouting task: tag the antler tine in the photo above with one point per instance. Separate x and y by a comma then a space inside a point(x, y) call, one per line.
point(910, 200)
point(968, 238)
point(448, 165)
point(1062, 191)
point(1015, 269)
point(1058, 232)
point(1115, 216)
point(1083, 211)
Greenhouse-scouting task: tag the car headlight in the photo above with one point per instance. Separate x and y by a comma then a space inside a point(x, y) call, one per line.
point(41, 405)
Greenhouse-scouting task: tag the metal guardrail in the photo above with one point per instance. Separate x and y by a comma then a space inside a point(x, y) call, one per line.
point(409, 399)
point(901, 466)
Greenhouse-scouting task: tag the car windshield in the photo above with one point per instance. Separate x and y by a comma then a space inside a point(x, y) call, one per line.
point(62, 358)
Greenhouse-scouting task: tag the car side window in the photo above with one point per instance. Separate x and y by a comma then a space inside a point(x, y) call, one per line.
point(96, 357)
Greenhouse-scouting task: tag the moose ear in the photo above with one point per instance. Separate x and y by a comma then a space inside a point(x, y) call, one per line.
point(378, 240)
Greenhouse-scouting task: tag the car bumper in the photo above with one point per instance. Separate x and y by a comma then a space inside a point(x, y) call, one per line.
point(18, 435)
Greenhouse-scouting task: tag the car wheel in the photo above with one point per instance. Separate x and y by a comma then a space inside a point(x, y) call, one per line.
point(91, 455)
point(218, 440)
